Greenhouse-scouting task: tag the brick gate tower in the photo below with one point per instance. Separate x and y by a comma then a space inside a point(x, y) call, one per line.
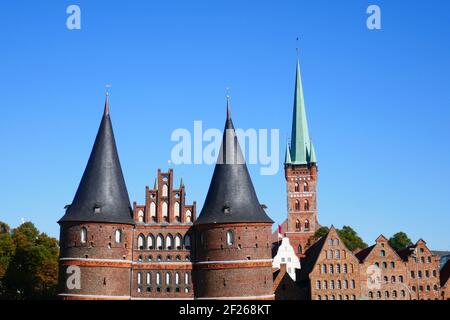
point(96, 235)
point(301, 176)
point(233, 247)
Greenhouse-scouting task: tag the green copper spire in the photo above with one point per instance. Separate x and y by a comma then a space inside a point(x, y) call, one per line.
point(301, 152)
point(312, 155)
point(287, 159)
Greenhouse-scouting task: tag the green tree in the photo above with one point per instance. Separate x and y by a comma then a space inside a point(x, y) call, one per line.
point(33, 270)
point(322, 231)
point(399, 241)
point(351, 238)
point(7, 249)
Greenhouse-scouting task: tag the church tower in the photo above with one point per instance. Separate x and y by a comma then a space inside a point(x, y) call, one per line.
point(301, 176)
point(233, 244)
point(96, 235)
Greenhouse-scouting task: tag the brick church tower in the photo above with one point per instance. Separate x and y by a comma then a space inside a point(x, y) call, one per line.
point(96, 234)
point(233, 245)
point(301, 177)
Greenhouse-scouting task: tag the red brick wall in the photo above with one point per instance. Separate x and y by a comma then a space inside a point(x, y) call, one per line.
point(215, 273)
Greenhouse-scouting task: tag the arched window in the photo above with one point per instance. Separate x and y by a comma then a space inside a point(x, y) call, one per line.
point(345, 268)
point(83, 235)
point(153, 212)
point(149, 278)
point(392, 265)
point(345, 284)
point(297, 225)
point(165, 212)
point(331, 269)
point(338, 268)
point(150, 242)
point(169, 242)
point(167, 279)
point(158, 279)
point(337, 254)
point(159, 242)
point(187, 241)
point(165, 190)
point(296, 188)
point(118, 236)
point(353, 284)
point(371, 295)
point(306, 225)
point(186, 278)
point(139, 278)
point(325, 284)
point(394, 294)
point(297, 205)
point(140, 216)
point(176, 212)
point(230, 237)
point(300, 249)
point(336, 242)
point(382, 253)
point(178, 242)
point(324, 268)
point(393, 279)
point(306, 205)
point(339, 284)
point(318, 285)
point(384, 265)
point(400, 279)
point(188, 216)
point(141, 241)
point(177, 278)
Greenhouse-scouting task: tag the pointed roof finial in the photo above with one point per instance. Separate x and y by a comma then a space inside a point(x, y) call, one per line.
point(228, 104)
point(107, 99)
point(297, 48)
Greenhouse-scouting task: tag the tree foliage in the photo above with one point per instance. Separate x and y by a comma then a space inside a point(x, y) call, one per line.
point(349, 236)
point(32, 269)
point(399, 241)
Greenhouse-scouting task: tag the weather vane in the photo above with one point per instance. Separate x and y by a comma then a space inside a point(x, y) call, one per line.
point(108, 86)
point(297, 48)
point(227, 89)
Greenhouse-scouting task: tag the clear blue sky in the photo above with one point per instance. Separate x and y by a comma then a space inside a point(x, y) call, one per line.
point(378, 102)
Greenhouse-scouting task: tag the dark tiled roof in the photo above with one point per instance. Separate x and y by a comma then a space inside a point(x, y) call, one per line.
point(441, 253)
point(231, 196)
point(406, 252)
point(102, 185)
point(311, 255)
point(445, 274)
point(362, 255)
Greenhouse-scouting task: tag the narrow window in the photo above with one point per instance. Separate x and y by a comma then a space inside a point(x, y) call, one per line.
point(176, 212)
point(187, 241)
point(305, 187)
point(297, 225)
point(306, 205)
point(296, 188)
point(83, 235)
point(178, 242)
point(297, 205)
point(159, 242)
point(230, 237)
point(188, 216)
point(153, 212)
point(141, 242)
point(306, 225)
point(165, 212)
point(165, 190)
point(140, 216)
point(118, 236)
point(169, 242)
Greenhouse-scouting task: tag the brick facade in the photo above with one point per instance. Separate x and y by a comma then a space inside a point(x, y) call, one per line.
point(163, 237)
point(233, 260)
point(383, 273)
point(330, 271)
point(302, 222)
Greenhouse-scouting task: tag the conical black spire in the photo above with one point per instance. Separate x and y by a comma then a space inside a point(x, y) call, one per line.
point(102, 195)
point(231, 196)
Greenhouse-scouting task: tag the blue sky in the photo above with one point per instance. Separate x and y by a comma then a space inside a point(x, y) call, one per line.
point(378, 102)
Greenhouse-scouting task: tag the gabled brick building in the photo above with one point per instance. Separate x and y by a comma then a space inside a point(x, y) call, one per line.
point(329, 270)
point(422, 271)
point(383, 272)
point(162, 254)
